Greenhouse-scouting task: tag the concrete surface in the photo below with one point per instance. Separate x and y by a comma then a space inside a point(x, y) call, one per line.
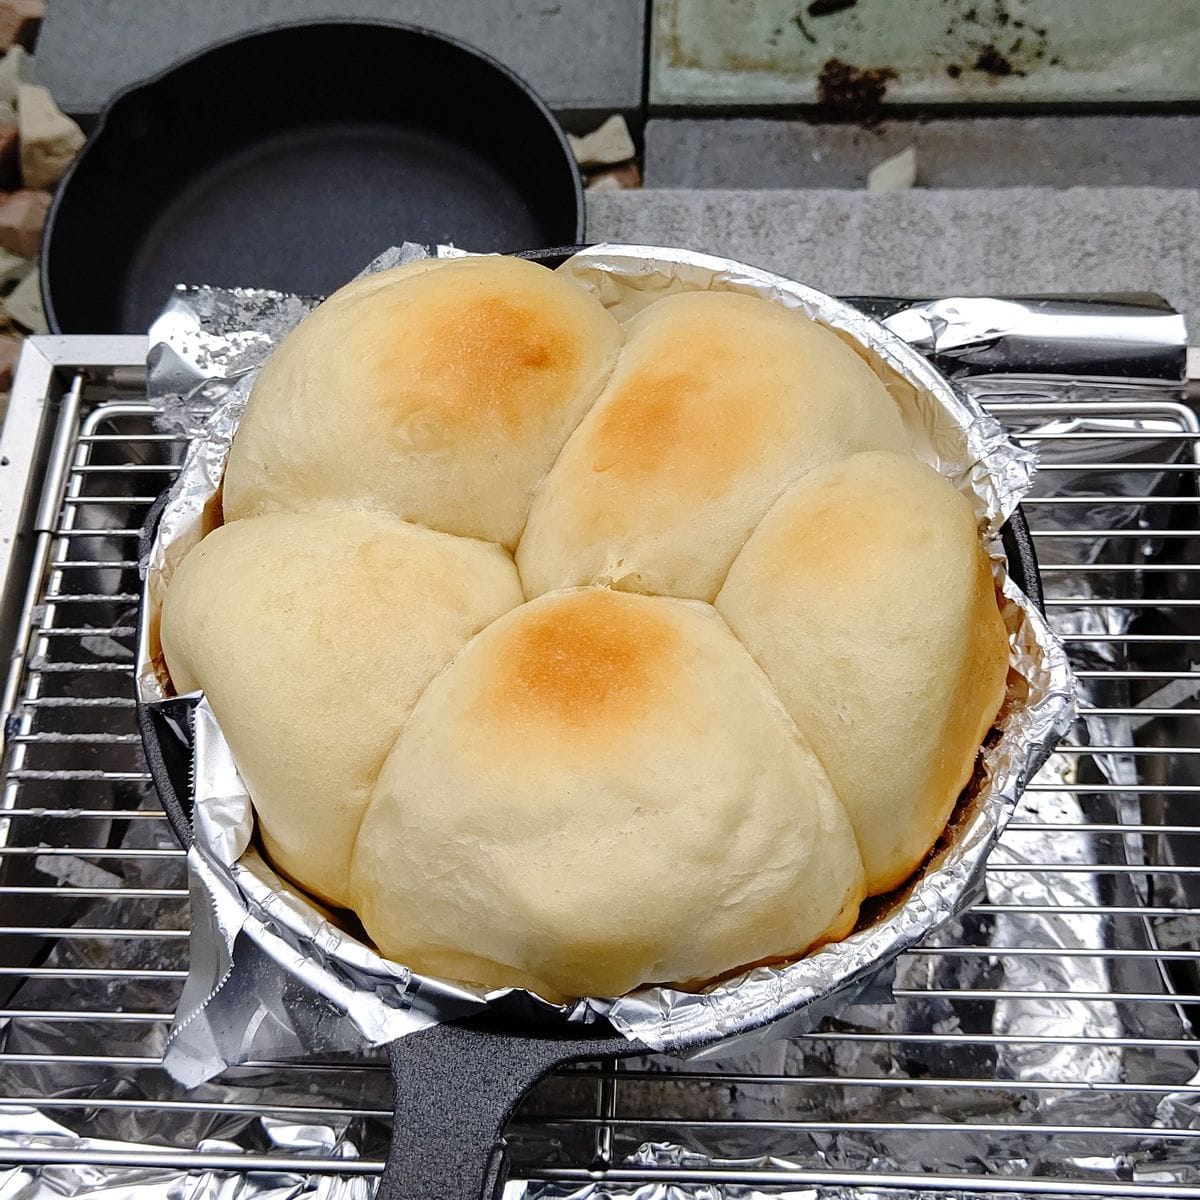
point(582, 56)
point(1023, 240)
point(939, 51)
point(992, 152)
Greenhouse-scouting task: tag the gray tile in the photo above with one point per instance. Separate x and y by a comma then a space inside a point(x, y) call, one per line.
point(993, 152)
point(581, 55)
point(934, 242)
point(716, 52)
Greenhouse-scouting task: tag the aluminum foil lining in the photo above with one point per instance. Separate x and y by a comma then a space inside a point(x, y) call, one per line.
point(383, 1000)
point(1115, 337)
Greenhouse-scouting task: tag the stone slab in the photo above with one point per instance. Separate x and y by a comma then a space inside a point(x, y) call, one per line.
point(979, 152)
point(582, 56)
point(706, 52)
point(935, 242)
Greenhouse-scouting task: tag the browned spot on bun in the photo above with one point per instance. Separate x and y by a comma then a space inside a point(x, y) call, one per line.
point(500, 343)
point(483, 358)
point(696, 403)
point(588, 662)
point(979, 690)
point(677, 424)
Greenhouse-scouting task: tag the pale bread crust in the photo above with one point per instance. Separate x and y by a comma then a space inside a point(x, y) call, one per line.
point(867, 598)
point(308, 693)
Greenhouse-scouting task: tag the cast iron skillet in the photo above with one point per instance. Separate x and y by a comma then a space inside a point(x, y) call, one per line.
point(457, 1085)
point(289, 157)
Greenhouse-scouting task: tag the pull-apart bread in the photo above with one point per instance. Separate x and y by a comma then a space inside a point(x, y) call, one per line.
point(578, 656)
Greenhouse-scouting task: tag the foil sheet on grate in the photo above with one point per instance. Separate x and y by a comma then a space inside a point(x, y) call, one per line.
point(849, 1150)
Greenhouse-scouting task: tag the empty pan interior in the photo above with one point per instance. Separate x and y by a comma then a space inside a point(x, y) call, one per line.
point(287, 159)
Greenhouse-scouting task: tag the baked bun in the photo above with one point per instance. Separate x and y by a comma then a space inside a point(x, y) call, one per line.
point(602, 790)
point(717, 403)
point(312, 636)
point(867, 598)
point(586, 778)
point(441, 394)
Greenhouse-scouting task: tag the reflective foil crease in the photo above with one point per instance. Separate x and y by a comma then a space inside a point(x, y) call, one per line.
point(356, 1000)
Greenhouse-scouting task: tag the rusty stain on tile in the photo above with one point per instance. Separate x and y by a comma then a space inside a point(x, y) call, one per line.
point(854, 93)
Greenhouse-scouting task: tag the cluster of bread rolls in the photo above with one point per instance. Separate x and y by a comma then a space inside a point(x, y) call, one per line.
point(574, 656)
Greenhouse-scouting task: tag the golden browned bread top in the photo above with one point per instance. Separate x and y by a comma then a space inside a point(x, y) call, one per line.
point(440, 395)
point(668, 824)
point(585, 677)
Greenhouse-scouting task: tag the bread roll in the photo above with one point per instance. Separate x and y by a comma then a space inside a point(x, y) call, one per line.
point(602, 790)
point(440, 394)
point(718, 402)
point(867, 598)
point(312, 636)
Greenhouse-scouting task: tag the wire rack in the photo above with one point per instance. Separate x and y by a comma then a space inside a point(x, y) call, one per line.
point(1043, 1045)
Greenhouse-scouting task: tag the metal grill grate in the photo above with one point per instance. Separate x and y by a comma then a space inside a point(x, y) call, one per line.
point(1043, 1045)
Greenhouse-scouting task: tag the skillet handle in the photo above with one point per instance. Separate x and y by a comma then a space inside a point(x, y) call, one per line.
point(455, 1088)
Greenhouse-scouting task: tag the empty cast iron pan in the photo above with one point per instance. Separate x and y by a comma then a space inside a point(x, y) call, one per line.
point(288, 159)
